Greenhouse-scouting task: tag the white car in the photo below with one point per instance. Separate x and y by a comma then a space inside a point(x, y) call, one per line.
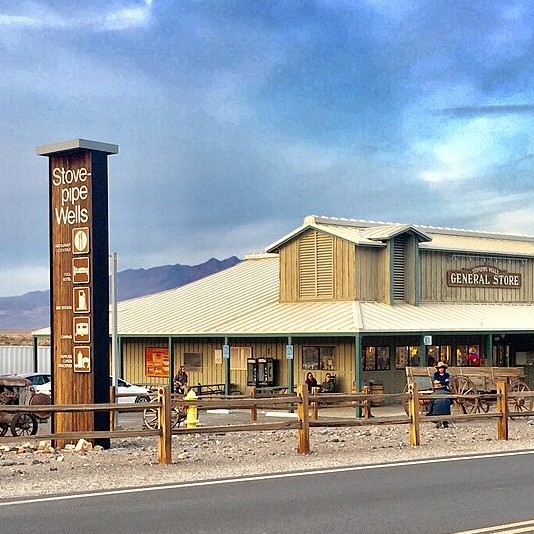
point(40, 381)
point(134, 393)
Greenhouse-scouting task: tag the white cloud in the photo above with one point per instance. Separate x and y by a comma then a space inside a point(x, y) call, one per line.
point(16, 280)
point(37, 16)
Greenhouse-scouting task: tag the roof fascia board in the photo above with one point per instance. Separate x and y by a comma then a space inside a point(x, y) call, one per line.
point(358, 223)
point(277, 244)
point(472, 252)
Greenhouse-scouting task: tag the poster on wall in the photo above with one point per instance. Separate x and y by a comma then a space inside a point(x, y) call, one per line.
point(157, 362)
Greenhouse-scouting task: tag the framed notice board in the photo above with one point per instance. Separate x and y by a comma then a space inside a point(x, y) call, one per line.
point(157, 362)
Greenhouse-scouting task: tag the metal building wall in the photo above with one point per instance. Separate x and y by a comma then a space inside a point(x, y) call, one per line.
point(19, 359)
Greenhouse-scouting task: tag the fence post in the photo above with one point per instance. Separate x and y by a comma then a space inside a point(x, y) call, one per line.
point(502, 408)
point(165, 426)
point(366, 403)
point(413, 412)
point(254, 408)
point(303, 445)
point(315, 405)
point(113, 413)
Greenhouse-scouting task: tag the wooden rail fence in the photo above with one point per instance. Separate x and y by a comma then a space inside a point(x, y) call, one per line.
point(306, 416)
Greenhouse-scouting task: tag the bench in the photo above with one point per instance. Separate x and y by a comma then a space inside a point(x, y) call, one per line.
point(213, 389)
point(271, 390)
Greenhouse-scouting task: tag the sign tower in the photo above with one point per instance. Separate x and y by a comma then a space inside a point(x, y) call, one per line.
point(79, 280)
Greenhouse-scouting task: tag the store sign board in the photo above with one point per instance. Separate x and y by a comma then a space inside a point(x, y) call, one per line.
point(157, 362)
point(79, 260)
point(484, 276)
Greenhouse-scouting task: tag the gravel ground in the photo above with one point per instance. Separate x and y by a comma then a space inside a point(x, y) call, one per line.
point(26, 472)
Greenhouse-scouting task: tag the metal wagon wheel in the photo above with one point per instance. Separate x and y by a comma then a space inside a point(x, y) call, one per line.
point(24, 424)
point(516, 403)
point(468, 403)
point(150, 417)
point(3, 429)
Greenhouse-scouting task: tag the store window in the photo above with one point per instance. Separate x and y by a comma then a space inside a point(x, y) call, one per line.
point(376, 359)
point(468, 356)
point(319, 358)
point(407, 355)
point(438, 353)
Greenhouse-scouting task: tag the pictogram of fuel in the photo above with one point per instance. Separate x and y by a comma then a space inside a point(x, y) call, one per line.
point(81, 300)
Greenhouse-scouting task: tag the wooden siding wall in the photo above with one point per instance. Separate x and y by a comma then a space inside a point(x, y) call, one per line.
point(344, 270)
point(358, 271)
point(133, 355)
point(411, 251)
point(369, 271)
point(344, 361)
point(289, 272)
point(434, 267)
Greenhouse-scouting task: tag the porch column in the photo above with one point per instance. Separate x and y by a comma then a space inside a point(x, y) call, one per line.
point(358, 378)
point(226, 358)
point(422, 352)
point(171, 364)
point(290, 366)
point(489, 350)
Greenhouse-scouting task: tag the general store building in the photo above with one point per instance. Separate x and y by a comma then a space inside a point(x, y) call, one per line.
point(358, 299)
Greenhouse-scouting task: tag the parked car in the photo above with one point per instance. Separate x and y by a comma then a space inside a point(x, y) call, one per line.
point(41, 382)
point(135, 393)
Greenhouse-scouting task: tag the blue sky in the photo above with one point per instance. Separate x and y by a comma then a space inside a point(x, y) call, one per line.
point(236, 118)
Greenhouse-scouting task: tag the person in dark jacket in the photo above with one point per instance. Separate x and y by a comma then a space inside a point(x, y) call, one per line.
point(180, 380)
point(328, 386)
point(311, 381)
point(438, 405)
point(442, 376)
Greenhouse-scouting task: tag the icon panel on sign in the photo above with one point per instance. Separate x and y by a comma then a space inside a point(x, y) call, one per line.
point(81, 300)
point(80, 270)
point(80, 240)
point(82, 359)
point(81, 329)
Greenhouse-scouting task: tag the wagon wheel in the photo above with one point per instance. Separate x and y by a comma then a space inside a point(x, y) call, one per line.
point(3, 429)
point(24, 424)
point(178, 415)
point(517, 403)
point(150, 417)
point(462, 385)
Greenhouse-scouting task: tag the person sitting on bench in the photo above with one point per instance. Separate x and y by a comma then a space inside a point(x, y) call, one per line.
point(328, 386)
point(439, 406)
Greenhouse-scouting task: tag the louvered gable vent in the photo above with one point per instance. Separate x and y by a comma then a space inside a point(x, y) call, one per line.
point(316, 257)
point(399, 269)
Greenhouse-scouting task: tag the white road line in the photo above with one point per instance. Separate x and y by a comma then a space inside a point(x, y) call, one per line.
point(262, 477)
point(524, 526)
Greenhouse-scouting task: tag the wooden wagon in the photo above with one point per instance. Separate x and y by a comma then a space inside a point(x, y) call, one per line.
point(471, 382)
point(16, 390)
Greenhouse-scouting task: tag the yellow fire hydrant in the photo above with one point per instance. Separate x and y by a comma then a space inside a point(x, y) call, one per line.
point(191, 417)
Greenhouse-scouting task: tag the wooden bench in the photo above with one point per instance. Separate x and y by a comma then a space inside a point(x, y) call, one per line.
point(213, 389)
point(271, 390)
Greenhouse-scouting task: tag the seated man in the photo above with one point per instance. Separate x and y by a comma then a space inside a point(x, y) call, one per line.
point(328, 386)
point(439, 406)
point(180, 380)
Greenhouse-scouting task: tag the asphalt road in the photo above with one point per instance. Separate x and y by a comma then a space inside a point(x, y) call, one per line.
point(418, 497)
